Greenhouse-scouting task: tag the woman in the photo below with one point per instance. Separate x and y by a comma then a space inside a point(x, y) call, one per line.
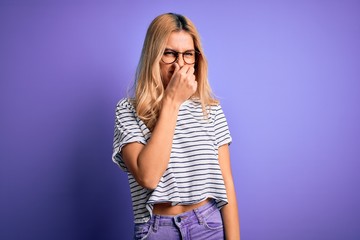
point(172, 140)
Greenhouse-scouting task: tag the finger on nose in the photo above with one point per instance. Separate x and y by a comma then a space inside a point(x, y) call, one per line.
point(176, 66)
point(190, 70)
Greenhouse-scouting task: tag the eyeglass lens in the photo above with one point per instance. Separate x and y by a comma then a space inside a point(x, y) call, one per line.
point(171, 56)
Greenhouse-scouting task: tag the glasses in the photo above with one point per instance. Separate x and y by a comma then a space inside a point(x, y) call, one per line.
point(171, 56)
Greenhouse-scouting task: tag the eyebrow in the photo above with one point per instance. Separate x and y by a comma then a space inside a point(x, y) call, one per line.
point(169, 49)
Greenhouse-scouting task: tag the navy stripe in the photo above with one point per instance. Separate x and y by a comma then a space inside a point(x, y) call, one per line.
point(193, 171)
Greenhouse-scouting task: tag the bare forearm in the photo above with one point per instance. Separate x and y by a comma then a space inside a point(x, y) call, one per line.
point(230, 218)
point(154, 157)
point(230, 211)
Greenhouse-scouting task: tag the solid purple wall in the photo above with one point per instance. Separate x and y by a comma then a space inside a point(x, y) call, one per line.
point(288, 77)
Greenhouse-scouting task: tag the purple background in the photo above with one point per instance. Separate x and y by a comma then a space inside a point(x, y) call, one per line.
point(287, 74)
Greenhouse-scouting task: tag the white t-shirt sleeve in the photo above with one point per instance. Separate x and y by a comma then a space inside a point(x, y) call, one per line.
point(127, 130)
point(222, 133)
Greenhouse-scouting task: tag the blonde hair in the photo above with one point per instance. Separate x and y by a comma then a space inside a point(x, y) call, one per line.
point(149, 89)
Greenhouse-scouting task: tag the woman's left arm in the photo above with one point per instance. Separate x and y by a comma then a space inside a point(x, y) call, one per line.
point(230, 211)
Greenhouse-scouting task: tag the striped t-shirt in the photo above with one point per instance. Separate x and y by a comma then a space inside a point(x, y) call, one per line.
point(193, 173)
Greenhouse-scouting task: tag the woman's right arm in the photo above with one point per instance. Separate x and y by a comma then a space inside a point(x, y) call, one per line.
point(147, 163)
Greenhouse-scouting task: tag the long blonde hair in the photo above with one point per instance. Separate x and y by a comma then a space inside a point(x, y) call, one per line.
point(149, 89)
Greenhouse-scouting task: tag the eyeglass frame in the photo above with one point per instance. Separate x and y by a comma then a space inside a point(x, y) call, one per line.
point(197, 53)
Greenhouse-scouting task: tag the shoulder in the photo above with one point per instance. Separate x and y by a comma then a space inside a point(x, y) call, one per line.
point(125, 105)
point(214, 108)
point(125, 109)
point(216, 112)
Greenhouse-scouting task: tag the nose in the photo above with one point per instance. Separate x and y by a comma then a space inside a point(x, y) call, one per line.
point(180, 60)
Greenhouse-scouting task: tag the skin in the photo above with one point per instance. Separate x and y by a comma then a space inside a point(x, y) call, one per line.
point(229, 212)
point(180, 42)
point(147, 164)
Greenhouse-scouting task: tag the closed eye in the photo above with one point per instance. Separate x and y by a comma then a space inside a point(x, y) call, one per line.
point(170, 53)
point(189, 53)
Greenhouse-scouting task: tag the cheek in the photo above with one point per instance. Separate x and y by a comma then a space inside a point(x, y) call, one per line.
point(163, 70)
point(165, 73)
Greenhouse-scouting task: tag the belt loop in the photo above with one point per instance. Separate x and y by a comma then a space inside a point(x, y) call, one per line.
point(156, 223)
point(199, 216)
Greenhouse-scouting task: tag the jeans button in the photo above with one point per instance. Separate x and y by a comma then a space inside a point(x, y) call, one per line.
point(178, 219)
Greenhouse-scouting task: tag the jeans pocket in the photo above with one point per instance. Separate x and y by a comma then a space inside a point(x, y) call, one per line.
point(142, 231)
point(213, 220)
